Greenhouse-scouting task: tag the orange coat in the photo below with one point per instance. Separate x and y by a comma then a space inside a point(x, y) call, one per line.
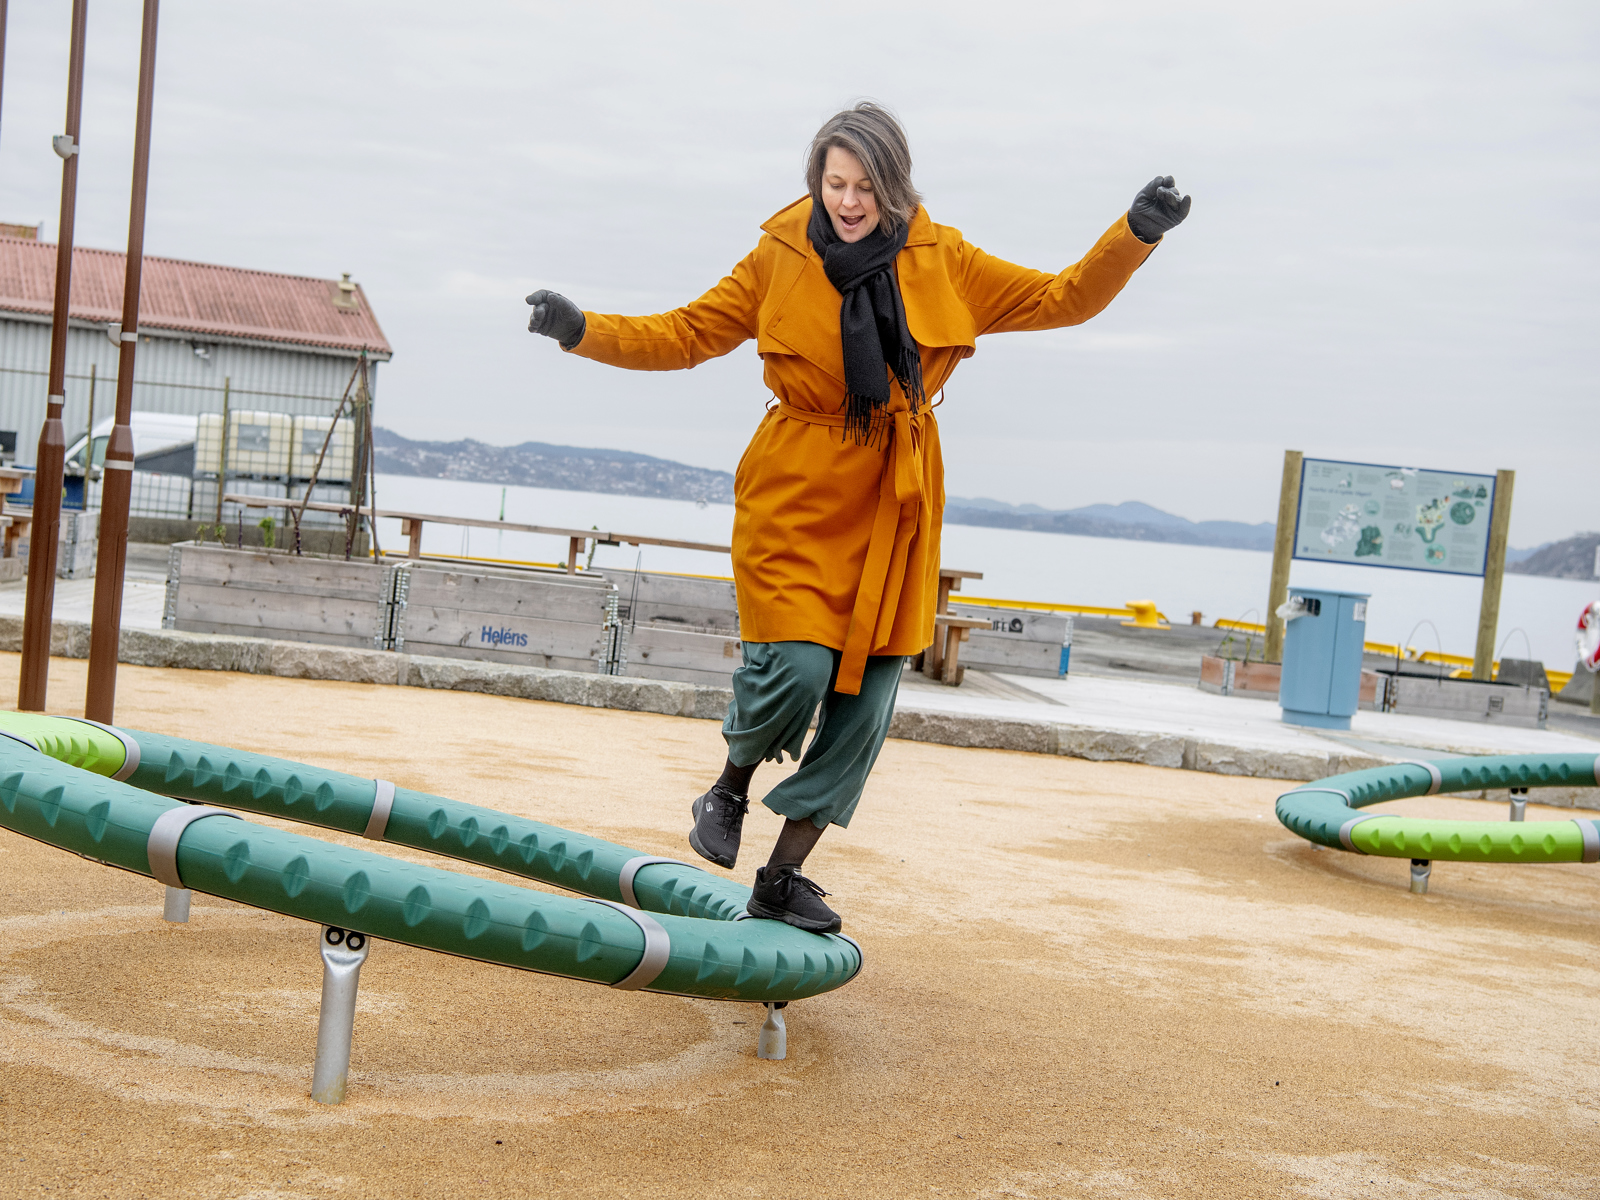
point(833, 542)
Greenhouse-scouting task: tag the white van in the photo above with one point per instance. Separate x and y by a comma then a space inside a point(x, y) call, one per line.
point(163, 443)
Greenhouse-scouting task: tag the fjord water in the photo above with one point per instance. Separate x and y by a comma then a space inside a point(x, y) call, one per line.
point(1017, 565)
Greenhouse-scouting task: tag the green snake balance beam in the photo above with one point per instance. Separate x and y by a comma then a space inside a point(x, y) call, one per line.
point(1328, 812)
point(116, 796)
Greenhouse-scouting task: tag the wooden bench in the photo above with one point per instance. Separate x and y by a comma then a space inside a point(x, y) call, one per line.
point(952, 631)
point(932, 659)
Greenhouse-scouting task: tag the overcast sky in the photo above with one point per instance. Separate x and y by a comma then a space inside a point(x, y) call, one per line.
point(1391, 257)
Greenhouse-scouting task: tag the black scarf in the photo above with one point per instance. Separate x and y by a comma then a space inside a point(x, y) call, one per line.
point(872, 322)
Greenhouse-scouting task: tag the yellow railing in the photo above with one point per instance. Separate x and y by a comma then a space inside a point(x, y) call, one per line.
point(1088, 610)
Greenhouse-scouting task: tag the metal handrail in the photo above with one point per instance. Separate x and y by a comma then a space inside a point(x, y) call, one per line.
point(631, 539)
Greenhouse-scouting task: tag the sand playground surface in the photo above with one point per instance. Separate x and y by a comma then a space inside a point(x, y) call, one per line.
point(1082, 979)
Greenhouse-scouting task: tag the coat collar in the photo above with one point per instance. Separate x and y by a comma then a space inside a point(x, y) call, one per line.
point(789, 223)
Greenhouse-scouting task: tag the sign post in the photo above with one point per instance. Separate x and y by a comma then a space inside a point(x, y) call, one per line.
point(1282, 552)
point(1493, 574)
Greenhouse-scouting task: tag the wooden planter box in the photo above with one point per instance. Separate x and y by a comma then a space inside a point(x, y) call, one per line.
point(565, 622)
point(1466, 700)
point(275, 594)
point(1017, 641)
point(1230, 677)
point(678, 628)
point(1259, 680)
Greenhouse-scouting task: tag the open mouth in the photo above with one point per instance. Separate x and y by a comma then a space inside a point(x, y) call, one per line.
point(851, 222)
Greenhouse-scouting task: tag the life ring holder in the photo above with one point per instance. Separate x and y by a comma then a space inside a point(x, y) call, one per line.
point(1589, 637)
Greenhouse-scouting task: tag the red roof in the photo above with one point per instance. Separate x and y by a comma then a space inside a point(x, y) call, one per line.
point(193, 297)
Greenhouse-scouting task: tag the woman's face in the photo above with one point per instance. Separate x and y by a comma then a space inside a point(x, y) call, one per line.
point(847, 195)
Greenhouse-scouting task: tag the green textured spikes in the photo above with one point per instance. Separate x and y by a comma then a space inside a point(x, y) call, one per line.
point(1470, 841)
point(76, 743)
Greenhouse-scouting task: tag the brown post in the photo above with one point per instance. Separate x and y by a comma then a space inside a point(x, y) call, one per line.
point(1282, 553)
point(45, 530)
point(574, 548)
point(117, 487)
point(1494, 571)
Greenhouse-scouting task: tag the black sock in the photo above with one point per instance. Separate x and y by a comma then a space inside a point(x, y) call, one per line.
point(737, 779)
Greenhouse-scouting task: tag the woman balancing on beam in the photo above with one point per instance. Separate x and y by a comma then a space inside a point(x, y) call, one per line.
point(861, 308)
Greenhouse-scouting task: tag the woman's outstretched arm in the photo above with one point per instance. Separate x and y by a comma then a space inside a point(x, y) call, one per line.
point(672, 341)
point(1006, 298)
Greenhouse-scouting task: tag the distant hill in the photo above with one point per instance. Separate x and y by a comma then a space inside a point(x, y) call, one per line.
point(565, 468)
point(1571, 558)
point(1131, 520)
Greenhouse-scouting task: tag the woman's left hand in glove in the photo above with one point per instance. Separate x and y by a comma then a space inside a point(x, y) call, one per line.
point(1156, 209)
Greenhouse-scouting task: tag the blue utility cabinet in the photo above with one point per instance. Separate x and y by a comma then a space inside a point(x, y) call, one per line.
point(1321, 681)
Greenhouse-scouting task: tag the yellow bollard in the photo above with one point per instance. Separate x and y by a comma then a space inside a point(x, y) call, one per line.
point(1145, 615)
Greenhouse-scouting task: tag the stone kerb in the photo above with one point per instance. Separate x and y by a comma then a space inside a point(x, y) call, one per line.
point(300, 660)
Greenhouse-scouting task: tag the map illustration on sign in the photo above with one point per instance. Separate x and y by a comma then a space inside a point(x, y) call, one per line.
point(1404, 517)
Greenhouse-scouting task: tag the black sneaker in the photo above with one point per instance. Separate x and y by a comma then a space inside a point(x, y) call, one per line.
point(783, 894)
point(718, 822)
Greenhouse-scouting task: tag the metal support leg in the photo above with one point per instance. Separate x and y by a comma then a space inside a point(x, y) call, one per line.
point(774, 1038)
point(342, 956)
point(1421, 868)
point(176, 906)
point(1519, 804)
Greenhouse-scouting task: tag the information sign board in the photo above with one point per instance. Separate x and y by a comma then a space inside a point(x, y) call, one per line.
point(1403, 517)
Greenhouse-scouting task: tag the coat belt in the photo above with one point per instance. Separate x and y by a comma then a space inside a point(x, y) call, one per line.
point(900, 494)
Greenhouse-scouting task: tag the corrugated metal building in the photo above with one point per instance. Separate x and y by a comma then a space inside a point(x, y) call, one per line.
point(286, 343)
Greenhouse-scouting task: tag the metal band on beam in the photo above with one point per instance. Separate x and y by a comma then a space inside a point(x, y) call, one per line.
point(382, 805)
point(130, 762)
point(162, 848)
point(117, 464)
point(657, 948)
point(1590, 831)
point(1345, 839)
point(861, 958)
point(632, 868)
point(1432, 770)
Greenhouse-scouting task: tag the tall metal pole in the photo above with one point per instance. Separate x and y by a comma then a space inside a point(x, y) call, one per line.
point(46, 530)
point(1282, 553)
point(116, 488)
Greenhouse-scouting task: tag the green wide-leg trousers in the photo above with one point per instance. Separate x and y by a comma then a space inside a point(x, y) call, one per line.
point(775, 693)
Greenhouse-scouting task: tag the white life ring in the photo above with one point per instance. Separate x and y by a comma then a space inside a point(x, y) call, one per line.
point(1589, 637)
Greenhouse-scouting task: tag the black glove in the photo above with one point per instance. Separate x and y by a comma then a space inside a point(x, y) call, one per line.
point(556, 317)
point(1156, 209)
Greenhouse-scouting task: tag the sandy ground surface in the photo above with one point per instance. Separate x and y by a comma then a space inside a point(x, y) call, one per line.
point(1082, 980)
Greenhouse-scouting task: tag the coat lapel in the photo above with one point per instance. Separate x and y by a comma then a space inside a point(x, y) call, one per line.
point(800, 311)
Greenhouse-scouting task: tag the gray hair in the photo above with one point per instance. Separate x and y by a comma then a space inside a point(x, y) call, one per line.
point(873, 134)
